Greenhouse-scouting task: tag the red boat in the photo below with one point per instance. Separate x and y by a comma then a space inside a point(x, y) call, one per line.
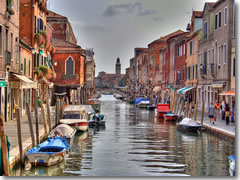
point(170, 117)
point(162, 109)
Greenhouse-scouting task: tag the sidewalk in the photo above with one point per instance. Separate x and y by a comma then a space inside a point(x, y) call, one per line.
point(11, 131)
point(219, 126)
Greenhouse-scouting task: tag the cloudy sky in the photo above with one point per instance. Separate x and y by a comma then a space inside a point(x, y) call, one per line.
point(115, 27)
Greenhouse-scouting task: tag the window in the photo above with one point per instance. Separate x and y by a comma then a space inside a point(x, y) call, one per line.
point(205, 63)
point(219, 19)
point(193, 72)
point(219, 54)
point(35, 27)
point(69, 66)
point(183, 74)
point(29, 67)
point(209, 56)
point(205, 30)
point(17, 5)
point(196, 71)
point(212, 56)
point(234, 67)
point(225, 53)
point(11, 45)
point(183, 49)
point(24, 66)
point(1, 41)
point(191, 48)
point(6, 39)
point(216, 21)
point(225, 16)
point(189, 72)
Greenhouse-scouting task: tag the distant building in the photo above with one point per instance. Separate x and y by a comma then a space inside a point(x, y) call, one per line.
point(106, 80)
point(90, 71)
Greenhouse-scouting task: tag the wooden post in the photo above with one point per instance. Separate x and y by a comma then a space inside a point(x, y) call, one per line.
point(36, 117)
point(44, 119)
point(19, 136)
point(48, 115)
point(30, 124)
point(57, 111)
point(203, 108)
point(182, 106)
point(196, 111)
point(67, 100)
point(4, 147)
point(178, 103)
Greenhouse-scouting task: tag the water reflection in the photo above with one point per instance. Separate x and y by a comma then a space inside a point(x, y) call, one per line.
point(136, 143)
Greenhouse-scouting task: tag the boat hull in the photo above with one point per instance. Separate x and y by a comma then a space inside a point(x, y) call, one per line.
point(78, 125)
point(40, 159)
point(188, 128)
point(161, 114)
point(170, 118)
point(96, 107)
point(140, 105)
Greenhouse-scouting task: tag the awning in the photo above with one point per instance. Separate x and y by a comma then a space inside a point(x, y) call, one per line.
point(230, 93)
point(157, 89)
point(186, 90)
point(179, 91)
point(27, 83)
point(219, 85)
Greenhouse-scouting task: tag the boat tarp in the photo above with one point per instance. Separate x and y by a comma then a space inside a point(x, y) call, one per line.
point(140, 99)
point(189, 122)
point(65, 129)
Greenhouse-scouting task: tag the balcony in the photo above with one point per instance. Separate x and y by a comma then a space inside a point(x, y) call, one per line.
point(8, 58)
point(213, 69)
point(203, 70)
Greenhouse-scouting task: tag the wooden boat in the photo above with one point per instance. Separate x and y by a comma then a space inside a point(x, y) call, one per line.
point(65, 131)
point(188, 125)
point(97, 120)
point(75, 116)
point(95, 103)
point(48, 153)
point(142, 102)
point(151, 107)
point(170, 117)
point(162, 109)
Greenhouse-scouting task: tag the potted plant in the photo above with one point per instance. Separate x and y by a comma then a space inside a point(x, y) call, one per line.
point(10, 7)
point(44, 70)
point(49, 74)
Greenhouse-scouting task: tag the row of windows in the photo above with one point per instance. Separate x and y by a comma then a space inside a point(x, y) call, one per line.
point(39, 26)
point(180, 51)
point(6, 41)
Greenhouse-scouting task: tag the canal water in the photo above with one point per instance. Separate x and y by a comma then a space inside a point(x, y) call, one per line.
point(136, 143)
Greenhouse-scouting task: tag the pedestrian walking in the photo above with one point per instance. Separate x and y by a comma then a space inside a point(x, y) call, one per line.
point(223, 109)
point(211, 112)
point(227, 114)
point(232, 111)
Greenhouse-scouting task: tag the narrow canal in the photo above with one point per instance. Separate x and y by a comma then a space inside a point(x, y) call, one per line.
point(135, 143)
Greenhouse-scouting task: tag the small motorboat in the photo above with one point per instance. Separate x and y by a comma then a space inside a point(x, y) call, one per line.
point(131, 101)
point(75, 117)
point(90, 111)
point(97, 120)
point(232, 165)
point(95, 103)
point(63, 130)
point(170, 117)
point(162, 109)
point(142, 102)
point(188, 125)
point(48, 153)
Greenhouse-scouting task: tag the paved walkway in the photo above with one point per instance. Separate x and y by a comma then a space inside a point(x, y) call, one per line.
point(219, 125)
point(11, 131)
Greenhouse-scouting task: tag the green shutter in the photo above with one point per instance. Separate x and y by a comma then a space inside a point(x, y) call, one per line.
point(29, 67)
point(24, 66)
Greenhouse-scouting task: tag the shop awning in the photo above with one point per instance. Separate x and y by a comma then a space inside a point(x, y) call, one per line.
point(218, 85)
point(188, 89)
point(157, 89)
point(179, 91)
point(229, 93)
point(27, 83)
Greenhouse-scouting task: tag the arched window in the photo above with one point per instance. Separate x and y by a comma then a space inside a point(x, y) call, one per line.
point(70, 66)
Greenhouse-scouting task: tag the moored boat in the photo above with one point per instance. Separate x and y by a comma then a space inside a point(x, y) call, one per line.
point(188, 125)
point(63, 130)
point(142, 102)
point(170, 117)
point(162, 109)
point(48, 153)
point(151, 107)
point(95, 103)
point(75, 116)
point(97, 120)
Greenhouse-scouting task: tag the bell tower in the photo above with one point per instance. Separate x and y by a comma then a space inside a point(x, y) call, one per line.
point(118, 68)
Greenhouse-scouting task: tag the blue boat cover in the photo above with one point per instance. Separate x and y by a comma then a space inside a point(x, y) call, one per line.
point(51, 146)
point(232, 157)
point(140, 99)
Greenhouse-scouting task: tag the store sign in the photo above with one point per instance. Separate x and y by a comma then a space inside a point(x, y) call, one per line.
point(2, 83)
point(15, 84)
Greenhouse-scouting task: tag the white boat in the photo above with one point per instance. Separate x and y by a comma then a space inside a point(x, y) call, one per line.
point(143, 104)
point(75, 116)
point(63, 130)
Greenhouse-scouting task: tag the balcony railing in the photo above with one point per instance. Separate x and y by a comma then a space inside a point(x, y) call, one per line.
point(203, 70)
point(213, 69)
point(8, 58)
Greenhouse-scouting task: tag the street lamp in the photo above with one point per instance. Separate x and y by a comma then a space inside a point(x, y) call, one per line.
point(33, 51)
point(55, 63)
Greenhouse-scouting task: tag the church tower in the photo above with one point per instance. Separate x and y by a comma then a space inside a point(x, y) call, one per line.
point(118, 68)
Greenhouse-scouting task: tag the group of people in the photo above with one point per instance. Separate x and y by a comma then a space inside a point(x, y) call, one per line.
point(226, 111)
